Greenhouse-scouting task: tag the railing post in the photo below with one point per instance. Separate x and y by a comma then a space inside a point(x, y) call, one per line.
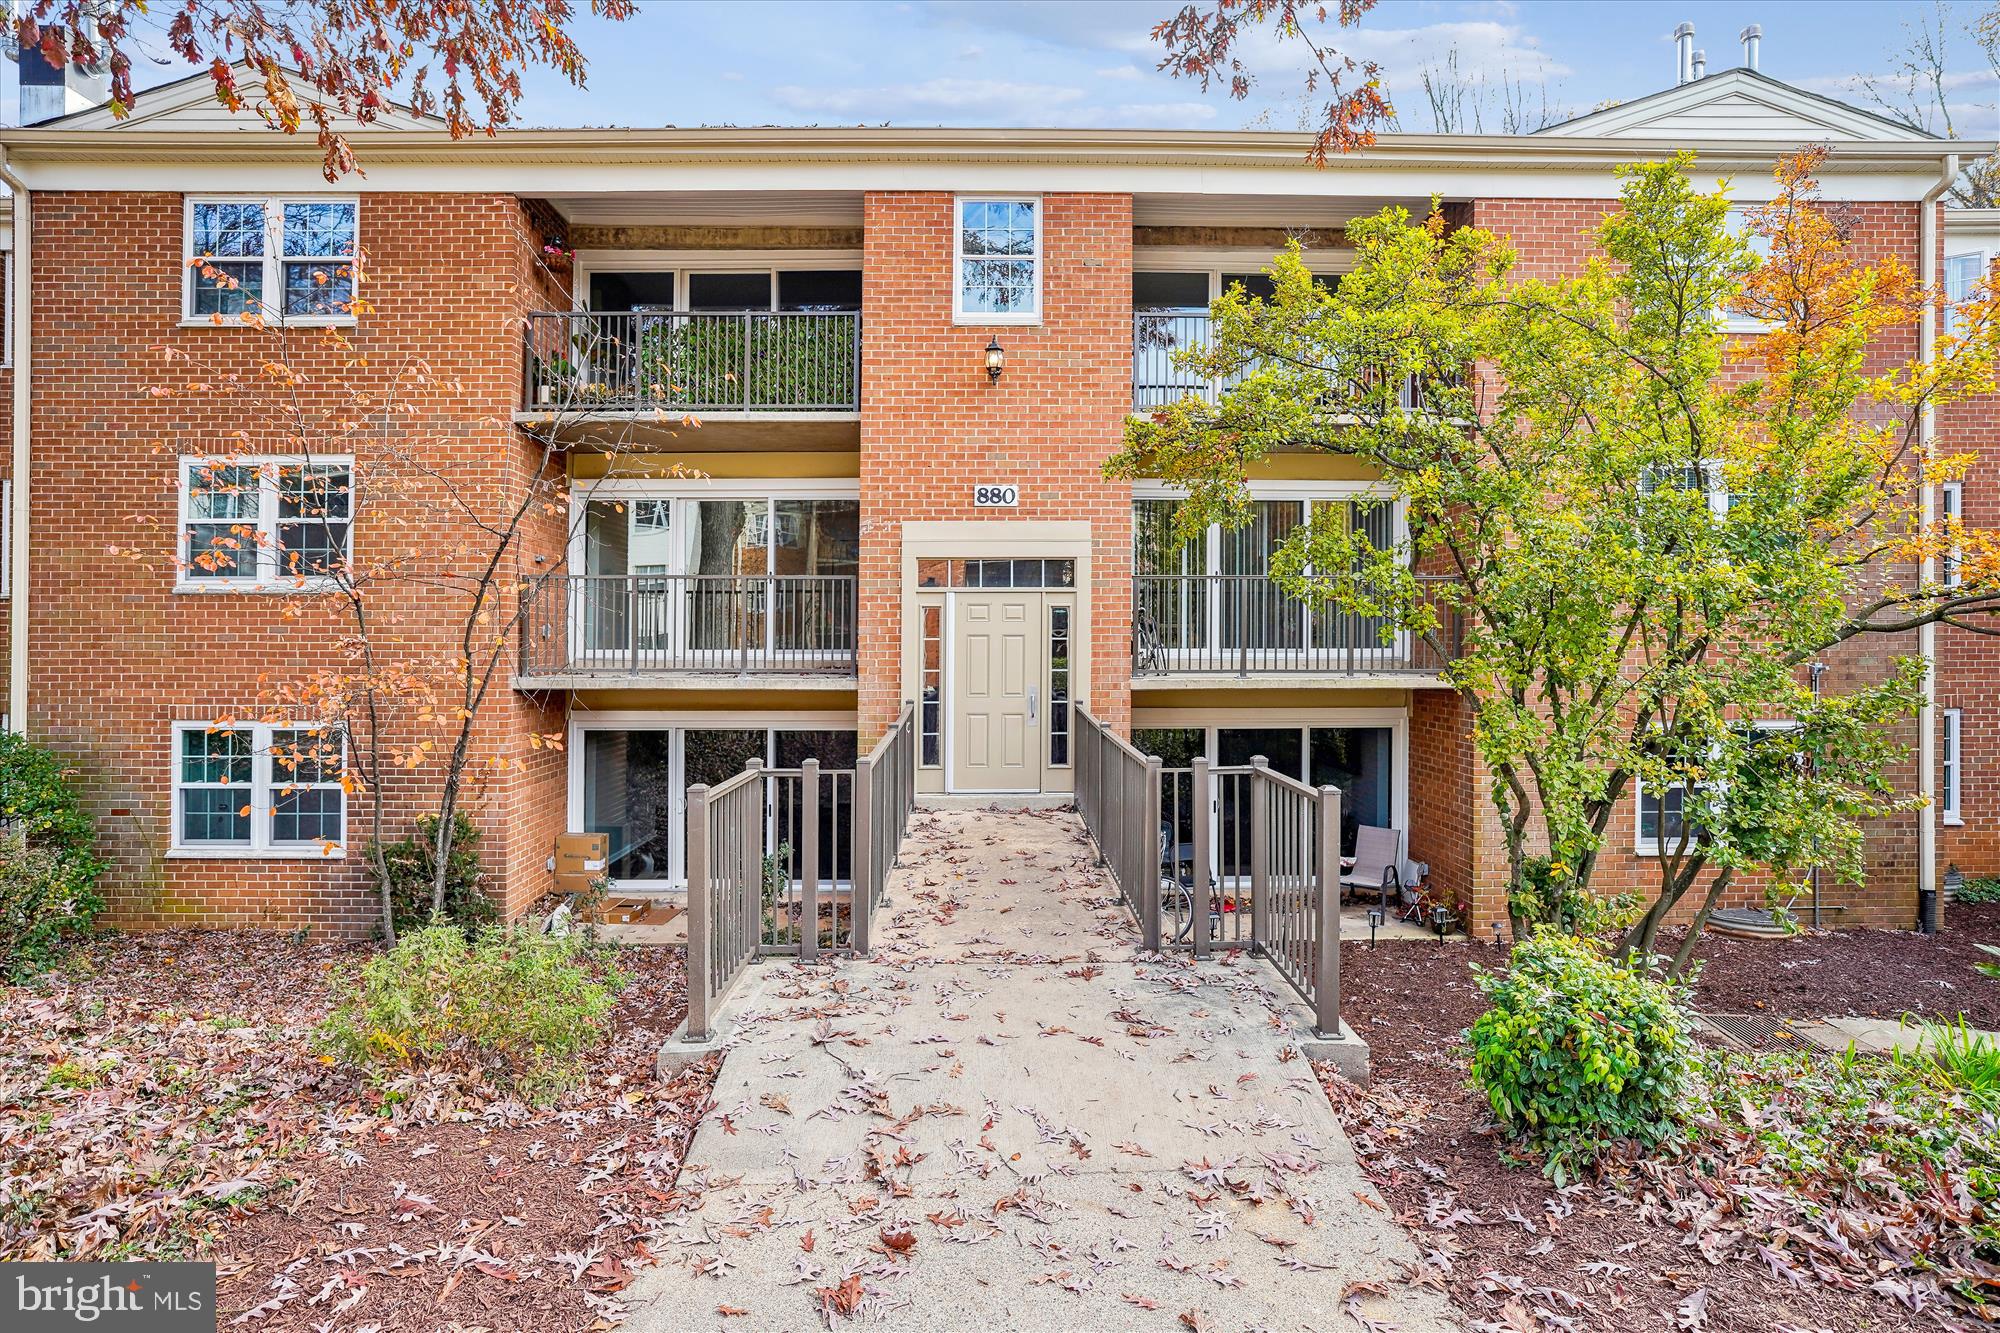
point(861, 879)
point(632, 623)
point(1149, 886)
point(1326, 904)
point(1199, 801)
point(700, 965)
point(809, 859)
point(1260, 854)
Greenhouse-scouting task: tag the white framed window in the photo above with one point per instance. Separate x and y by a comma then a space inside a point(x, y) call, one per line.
point(258, 789)
point(269, 522)
point(1951, 508)
point(290, 259)
point(1665, 819)
point(996, 260)
point(1738, 224)
point(7, 537)
point(1961, 279)
point(1950, 766)
point(1705, 476)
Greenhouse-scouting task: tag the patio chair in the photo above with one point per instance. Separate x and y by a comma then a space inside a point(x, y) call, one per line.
point(1378, 863)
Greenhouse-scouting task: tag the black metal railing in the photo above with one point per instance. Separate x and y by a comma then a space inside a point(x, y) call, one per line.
point(624, 624)
point(728, 361)
point(1236, 624)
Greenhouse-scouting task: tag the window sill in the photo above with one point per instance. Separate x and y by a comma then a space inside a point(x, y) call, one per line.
point(294, 322)
point(255, 854)
point(250, 589)
point(1952, 821)
point(976, 321)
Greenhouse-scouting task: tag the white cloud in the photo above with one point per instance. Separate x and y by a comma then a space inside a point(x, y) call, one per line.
point(1123, 73)
point(988, 101)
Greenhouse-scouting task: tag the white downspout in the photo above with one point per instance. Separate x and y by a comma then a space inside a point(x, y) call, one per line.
point(1927, 637)
point(17, 606)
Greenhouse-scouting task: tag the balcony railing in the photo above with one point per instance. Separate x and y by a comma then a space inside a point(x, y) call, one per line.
point(1157, 380)
point(632, 624)
point(1244, 624)
point(737, 361)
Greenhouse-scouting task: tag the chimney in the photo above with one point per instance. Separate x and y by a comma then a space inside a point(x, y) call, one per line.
point(1683, 53)
point(1701, 64)
point(48, 92)
point(1752, 38)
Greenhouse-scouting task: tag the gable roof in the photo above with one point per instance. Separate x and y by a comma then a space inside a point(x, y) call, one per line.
point(190, 104)
point(1738, 104)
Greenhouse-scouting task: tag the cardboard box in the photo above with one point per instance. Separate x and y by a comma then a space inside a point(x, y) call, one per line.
point(581, 858)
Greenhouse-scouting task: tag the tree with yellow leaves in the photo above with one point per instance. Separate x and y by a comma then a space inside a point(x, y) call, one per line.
point(1653, 526)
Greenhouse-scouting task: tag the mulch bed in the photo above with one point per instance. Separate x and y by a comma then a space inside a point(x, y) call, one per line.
point(447, 1208)
point(1517, 1253)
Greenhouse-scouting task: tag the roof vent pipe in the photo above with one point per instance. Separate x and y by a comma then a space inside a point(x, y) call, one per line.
point(1701, 64)
point(1752, 38)
point(1683, 53)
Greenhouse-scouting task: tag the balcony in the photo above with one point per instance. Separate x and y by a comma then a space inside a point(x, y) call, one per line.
point(663, 630)
point(1205, 626)
point(750, 366)
point(1157, 381)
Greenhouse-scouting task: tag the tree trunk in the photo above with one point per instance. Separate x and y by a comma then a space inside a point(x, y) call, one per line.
point(1686, 954)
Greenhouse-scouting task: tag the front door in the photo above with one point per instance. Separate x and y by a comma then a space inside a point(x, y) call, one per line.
point(996, 709)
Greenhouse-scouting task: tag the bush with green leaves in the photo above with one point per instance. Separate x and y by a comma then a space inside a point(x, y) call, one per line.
point(1979, 889)
point(412, 864)
point(1579, 1051)
point(514, 1007)
point(49, 865)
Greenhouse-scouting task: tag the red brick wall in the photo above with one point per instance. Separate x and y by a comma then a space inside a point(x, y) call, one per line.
point(116, 655)
point(1968, 668)
point(932, 424)
point(1552, 238)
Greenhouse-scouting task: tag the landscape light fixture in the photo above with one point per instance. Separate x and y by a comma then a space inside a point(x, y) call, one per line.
point(996, 358)
point(1375, 917)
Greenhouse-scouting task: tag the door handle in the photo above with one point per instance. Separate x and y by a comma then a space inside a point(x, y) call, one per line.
point(1031, 703)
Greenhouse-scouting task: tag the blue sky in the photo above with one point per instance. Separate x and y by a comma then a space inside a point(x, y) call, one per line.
point(1091, 63)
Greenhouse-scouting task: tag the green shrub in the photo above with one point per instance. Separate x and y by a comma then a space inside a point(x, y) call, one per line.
point(1960, 1054)
point(516, 1007)
point(1578, 1051)
point(1979, 889)
point(49, 865)
point(412, 865)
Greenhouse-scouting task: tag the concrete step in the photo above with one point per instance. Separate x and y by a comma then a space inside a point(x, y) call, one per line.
point(995, 801)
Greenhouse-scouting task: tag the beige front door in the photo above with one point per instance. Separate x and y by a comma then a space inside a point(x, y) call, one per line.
point(996, 708)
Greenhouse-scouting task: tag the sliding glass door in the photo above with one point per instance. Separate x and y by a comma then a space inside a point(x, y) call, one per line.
point(632, 785)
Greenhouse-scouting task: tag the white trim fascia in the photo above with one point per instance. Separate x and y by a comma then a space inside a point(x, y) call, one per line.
point(1290, 488)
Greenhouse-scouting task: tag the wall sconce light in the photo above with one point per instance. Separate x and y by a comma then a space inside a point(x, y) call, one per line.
point(996, 359)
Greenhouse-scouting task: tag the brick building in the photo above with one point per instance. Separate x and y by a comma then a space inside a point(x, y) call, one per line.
point(905, 354)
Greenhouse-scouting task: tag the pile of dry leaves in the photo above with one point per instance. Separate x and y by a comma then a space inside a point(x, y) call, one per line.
point(160, 1098)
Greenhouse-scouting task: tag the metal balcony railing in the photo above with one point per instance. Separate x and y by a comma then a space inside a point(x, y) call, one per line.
point(1157, 380)
point(631, 624)
point(1237, 624)
point(734, 361)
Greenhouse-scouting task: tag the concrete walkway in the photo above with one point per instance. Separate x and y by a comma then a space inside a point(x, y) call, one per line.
point(1009, 1119)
